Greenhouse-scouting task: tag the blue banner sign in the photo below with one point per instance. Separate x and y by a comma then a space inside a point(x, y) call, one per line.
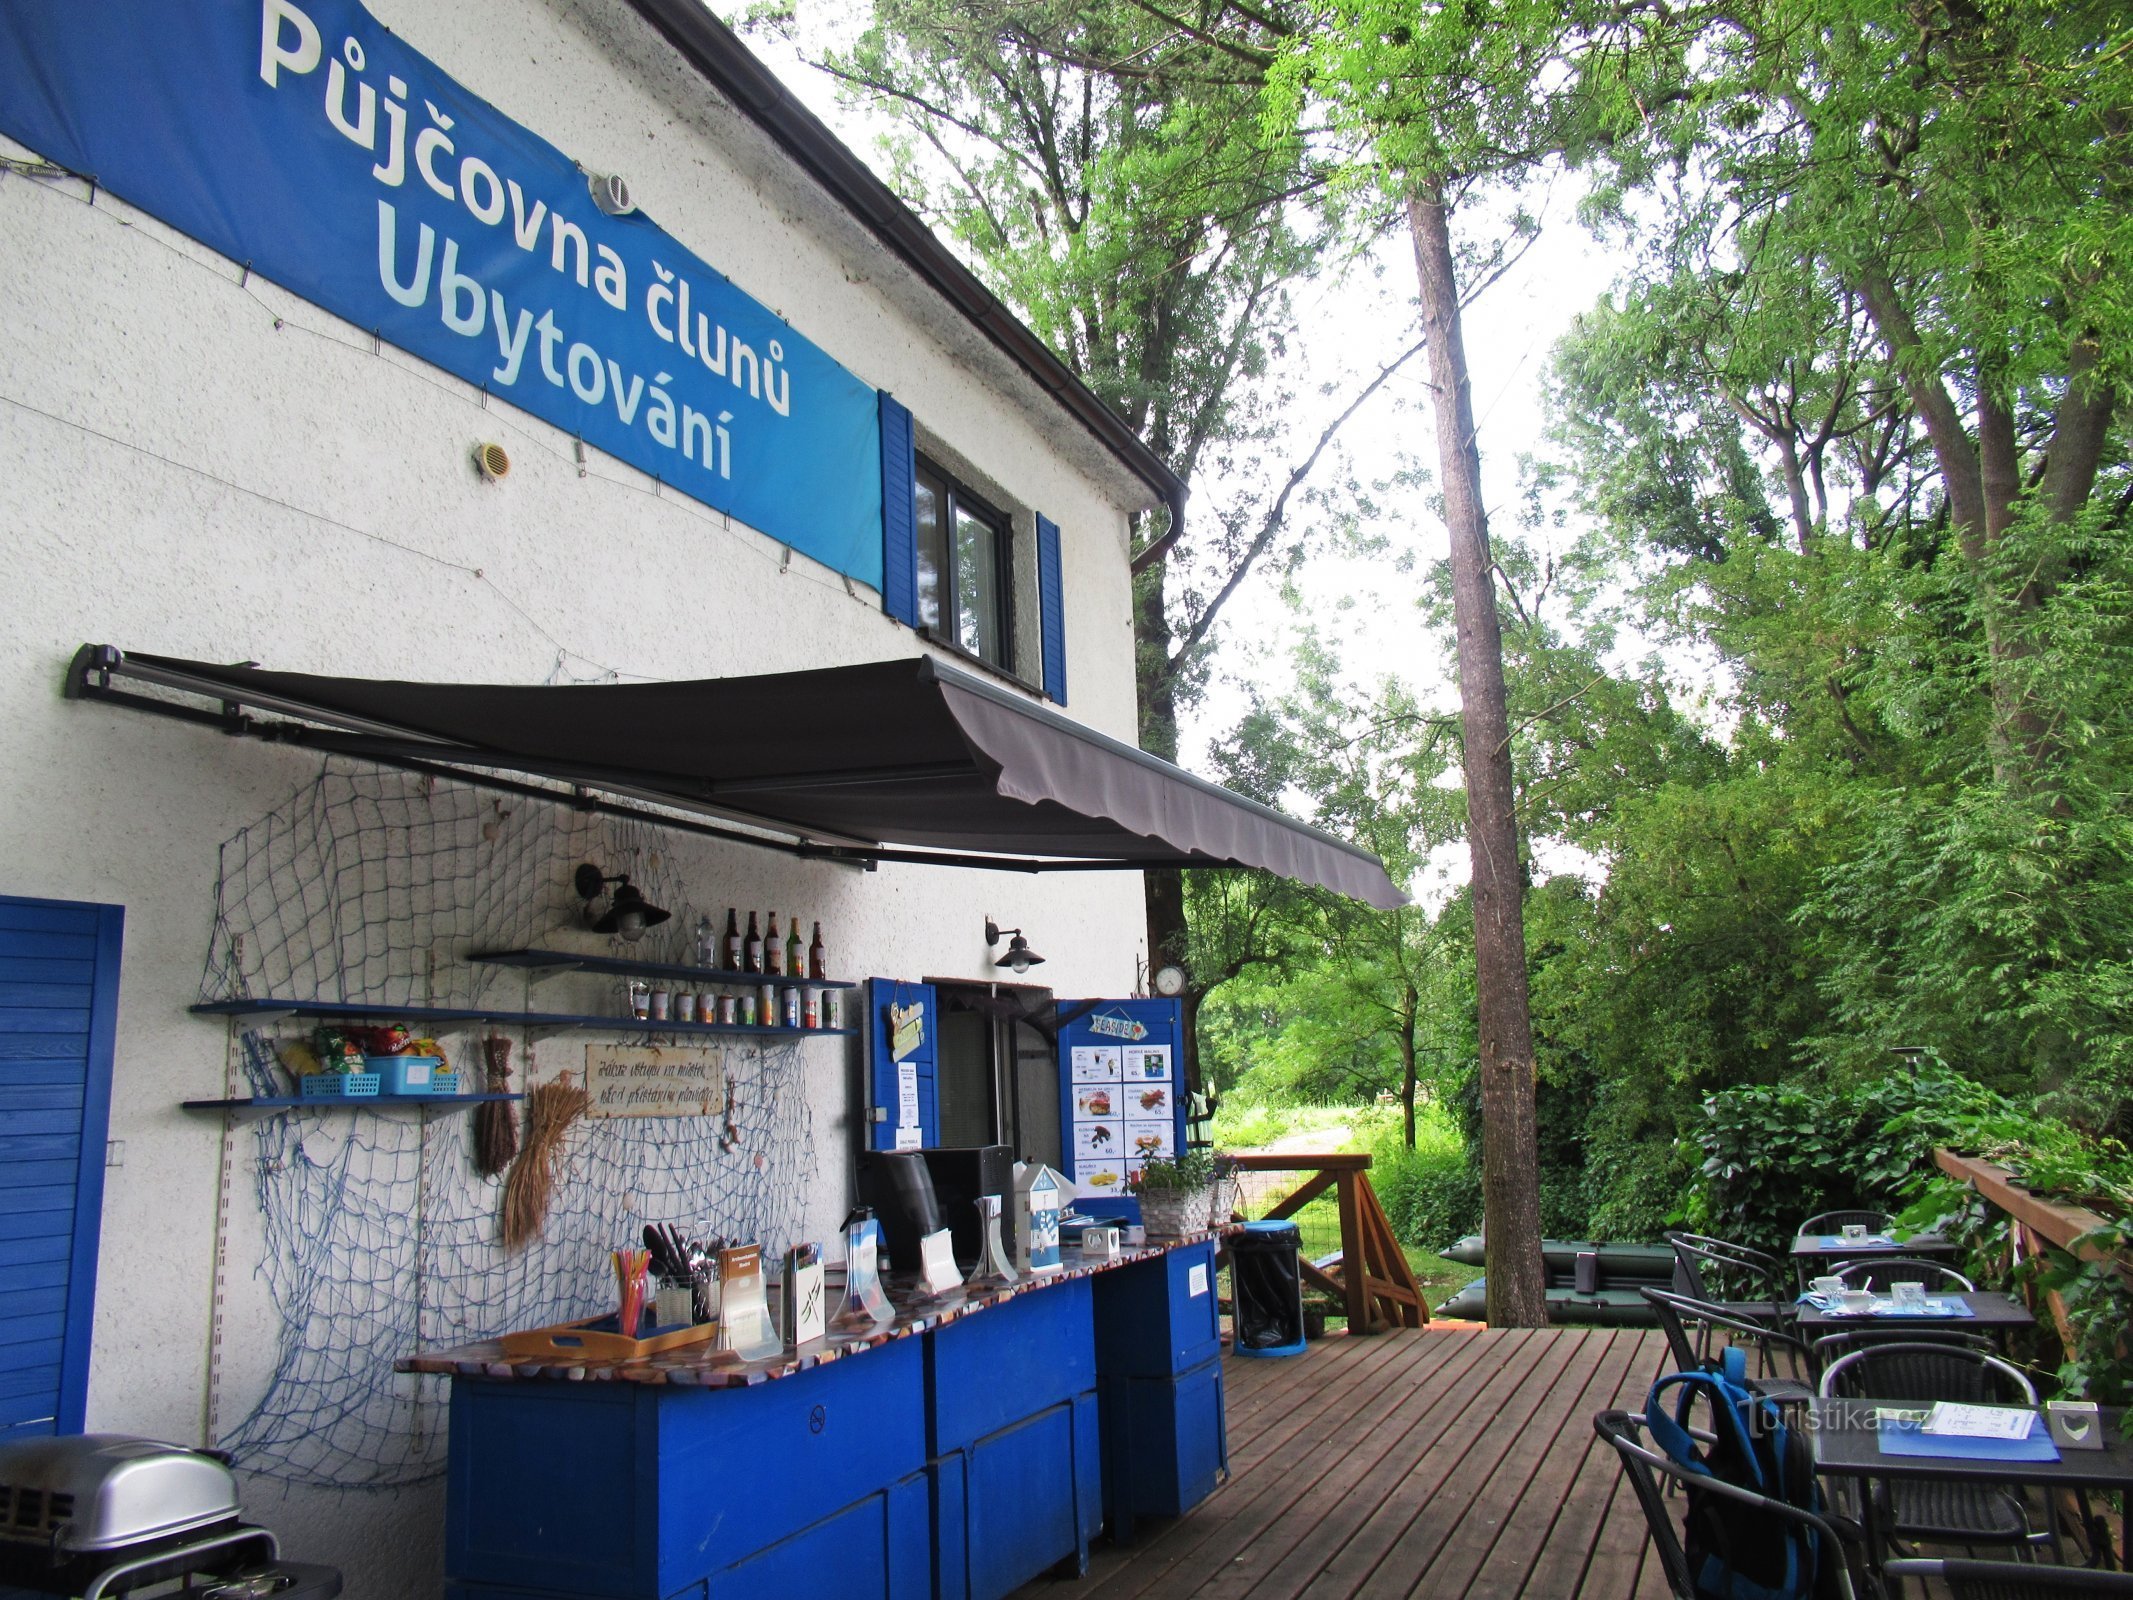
point(303, 140)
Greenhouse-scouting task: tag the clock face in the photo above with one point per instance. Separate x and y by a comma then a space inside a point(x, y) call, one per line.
point(1170, 980)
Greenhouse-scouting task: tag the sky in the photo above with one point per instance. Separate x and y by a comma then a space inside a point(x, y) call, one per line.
point(1349, 326)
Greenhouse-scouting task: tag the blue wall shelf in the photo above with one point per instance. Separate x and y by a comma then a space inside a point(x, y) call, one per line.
point(266, 1104)
point(270, 1010)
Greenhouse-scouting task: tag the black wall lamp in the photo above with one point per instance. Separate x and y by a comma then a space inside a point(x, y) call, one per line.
point(1020, 957)
point(628, 913)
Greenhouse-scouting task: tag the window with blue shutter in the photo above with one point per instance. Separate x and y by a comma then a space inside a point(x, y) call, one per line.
point(960, 566)
point(59, 967)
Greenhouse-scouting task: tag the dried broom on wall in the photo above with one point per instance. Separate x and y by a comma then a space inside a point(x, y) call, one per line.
point(550, 1110)
point(495, 1121)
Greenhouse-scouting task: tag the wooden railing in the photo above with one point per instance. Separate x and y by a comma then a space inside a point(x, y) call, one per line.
point(1374, 1283)
point(2034, 1222)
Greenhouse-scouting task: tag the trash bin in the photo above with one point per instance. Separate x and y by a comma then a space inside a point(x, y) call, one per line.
point(1266, 1290)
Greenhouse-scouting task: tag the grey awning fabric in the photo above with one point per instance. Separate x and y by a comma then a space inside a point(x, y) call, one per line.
point(906, 753)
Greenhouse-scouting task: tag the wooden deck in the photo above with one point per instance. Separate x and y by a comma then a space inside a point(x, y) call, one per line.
point(1427, 1462)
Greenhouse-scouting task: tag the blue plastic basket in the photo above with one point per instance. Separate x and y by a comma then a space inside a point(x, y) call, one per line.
point(410, 1074)
point(338, 1085)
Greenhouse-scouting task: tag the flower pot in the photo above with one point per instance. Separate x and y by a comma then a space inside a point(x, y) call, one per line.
point(1169, 1212)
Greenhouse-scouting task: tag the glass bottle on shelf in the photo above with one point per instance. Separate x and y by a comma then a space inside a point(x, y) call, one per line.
point(817, 957)
point(706, 942)
point(773, 949)
point(795, 955)
point(730, 953)
point(752, 949)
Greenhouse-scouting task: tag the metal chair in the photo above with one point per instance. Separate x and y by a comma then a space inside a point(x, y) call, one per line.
point(1826, 1223)
point(1646, 1468)
point(1721, 1272)
point(1921, 1371)
point(1831, 1347)
point(1886, 1273)
point(1697, 1331)
point(2014, 1580)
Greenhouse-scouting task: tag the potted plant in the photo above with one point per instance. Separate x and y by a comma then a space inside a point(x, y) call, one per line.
point(1175, 1194)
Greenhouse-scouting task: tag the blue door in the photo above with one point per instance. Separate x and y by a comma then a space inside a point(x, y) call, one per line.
point(912, 1006)
point(59, 967)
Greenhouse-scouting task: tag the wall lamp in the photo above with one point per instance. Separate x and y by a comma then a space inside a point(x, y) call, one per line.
point(1020, 957)
point(628, 913)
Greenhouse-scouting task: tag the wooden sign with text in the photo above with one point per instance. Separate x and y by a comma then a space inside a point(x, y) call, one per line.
point(628, 1081)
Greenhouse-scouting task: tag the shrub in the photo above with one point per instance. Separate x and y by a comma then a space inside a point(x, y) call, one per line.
point(1432, 1193)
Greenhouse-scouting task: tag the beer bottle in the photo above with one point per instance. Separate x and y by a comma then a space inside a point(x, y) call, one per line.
point(795, 955)
point(752, 951)
point(817, 957)
point(773, 949)
point(730, 956)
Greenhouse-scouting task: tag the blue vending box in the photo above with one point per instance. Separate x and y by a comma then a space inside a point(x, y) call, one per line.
point(1159, 1383)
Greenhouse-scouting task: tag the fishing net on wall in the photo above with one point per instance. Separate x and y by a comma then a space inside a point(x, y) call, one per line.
point(380, 1236)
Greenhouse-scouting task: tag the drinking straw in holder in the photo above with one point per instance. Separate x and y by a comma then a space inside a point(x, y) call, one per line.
point(630, 1268)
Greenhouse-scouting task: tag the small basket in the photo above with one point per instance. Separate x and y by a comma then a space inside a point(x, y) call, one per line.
point(1169, 1213)
point(338, 1085)
point(406, 1074)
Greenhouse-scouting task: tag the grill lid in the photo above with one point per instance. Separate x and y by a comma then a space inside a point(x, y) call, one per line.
point(105, 1491)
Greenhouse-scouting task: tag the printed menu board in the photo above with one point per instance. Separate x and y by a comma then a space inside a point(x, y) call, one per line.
point(1098, 1139)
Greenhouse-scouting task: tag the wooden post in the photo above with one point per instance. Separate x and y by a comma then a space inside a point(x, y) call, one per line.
point(1355, 1261)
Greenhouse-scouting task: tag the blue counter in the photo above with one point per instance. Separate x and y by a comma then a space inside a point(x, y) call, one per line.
point(953, 1456)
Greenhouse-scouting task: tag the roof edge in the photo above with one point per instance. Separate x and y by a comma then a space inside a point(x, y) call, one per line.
point(718, 55)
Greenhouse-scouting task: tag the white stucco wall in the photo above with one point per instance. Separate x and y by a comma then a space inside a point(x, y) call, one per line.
point(199, 466)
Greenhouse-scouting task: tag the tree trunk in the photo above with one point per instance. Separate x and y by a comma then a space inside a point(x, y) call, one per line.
point(1410, 1074)
point(1163, 888)
point(1510, 1155)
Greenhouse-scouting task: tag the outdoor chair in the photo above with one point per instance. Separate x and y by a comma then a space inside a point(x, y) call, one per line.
point(1827, 1223)
point(1885, 1274)
point(1919, 1371)
point(1697, 1332)
point(1646, 1468)
point(1832, 1347)
point(2013, 1580)
point(1738, 1276)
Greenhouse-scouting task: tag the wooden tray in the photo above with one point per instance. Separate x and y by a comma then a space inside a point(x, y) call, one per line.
point(590, 1339)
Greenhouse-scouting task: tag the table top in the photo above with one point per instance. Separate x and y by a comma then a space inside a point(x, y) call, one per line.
point(1847, 1444)
point(1829, 1246)
point(700, 1366)
point(1988, 1312)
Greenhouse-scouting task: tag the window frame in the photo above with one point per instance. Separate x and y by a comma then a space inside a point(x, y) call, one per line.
point(957, 497)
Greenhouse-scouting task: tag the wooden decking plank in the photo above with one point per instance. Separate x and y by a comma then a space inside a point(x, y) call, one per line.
point(1266, 1427)
point(1362, 1466)
point(1289, 1554)
point(1259, 1480)
point(1413, 1530)
point(1558, 1571)
point(1431, 1387)
point(1274, 1386)
point(1526, 1499)
point(1261, 1495)
point(1342, 1549)
point(1621, 1562)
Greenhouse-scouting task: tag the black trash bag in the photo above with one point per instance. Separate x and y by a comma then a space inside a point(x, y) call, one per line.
point(1266, 1286)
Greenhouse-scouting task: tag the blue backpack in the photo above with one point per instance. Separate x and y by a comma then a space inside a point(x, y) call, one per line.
point(1737, 1551)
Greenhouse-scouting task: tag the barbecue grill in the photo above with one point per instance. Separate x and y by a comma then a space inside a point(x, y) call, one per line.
point(100, 1514)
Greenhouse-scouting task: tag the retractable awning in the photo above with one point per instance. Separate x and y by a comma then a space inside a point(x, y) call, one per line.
point(908, 760)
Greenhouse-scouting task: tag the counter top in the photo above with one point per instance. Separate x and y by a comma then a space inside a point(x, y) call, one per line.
point(698, 1366)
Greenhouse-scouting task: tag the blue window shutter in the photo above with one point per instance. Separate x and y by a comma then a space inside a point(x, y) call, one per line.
point(1051, 608)
point(59, 965)
point(899, 523)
